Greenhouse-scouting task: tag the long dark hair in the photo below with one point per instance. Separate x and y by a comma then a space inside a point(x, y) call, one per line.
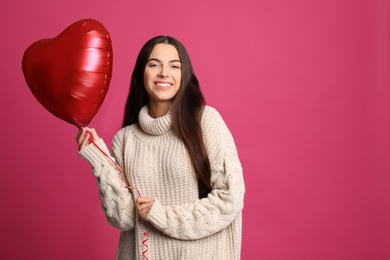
point(186, 108)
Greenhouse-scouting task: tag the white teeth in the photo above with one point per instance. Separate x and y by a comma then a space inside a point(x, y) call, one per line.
point(163, 84)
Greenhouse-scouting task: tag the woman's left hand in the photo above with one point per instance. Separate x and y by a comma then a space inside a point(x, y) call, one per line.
point(144, 205)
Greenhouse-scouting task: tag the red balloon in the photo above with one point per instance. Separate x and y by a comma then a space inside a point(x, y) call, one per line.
point(70, 74)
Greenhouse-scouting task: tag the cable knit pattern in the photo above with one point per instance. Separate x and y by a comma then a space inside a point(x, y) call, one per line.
point(155, 161)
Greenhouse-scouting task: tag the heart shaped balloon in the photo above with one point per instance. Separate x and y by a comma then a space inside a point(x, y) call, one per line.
point(70, 74)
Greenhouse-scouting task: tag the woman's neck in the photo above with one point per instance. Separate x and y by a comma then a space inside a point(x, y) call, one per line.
point(159, 109)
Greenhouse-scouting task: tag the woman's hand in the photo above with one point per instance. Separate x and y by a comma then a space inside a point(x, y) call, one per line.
point(143, 206)
point(84, 137)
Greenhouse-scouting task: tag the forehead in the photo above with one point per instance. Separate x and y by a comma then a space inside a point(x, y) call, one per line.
point(164, 52)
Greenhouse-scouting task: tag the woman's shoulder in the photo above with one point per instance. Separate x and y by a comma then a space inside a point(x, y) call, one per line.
point(212, 123)
point(209, 111)
point(211, 115)
point(208, 108)
point(123, 133)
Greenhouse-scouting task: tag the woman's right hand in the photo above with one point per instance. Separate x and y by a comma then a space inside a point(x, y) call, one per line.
point(84, 137)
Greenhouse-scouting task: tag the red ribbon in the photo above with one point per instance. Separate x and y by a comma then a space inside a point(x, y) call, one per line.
point(146, 233)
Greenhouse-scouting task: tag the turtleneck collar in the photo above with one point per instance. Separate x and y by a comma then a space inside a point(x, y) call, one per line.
point(154, 126)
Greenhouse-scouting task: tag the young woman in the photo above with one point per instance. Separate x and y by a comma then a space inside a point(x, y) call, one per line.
point(178, 156)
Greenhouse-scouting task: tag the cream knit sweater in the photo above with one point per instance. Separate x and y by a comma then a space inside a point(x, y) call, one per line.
point(155, 161)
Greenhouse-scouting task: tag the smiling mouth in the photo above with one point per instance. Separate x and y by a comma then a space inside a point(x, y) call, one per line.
point(162, 85)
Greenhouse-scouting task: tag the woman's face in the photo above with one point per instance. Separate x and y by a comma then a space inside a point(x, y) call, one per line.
point(162, 74)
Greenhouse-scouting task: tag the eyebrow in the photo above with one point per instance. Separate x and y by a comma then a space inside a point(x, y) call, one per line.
point(171, 61)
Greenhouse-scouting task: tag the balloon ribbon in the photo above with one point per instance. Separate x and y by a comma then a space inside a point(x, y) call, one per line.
point(146, 233)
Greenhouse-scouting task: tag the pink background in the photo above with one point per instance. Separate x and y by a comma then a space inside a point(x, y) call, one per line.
point(303, 86)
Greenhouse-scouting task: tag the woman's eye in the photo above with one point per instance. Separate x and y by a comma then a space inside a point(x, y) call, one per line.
point(175, 66)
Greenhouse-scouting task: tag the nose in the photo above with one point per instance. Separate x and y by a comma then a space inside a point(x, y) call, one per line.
point(163, 72)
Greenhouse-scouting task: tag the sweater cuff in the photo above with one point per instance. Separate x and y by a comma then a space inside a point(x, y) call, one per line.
point(92, 154)
point(157, 215)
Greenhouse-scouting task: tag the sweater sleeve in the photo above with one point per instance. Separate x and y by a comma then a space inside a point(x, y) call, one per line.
point(117, 201)
point(212, 214)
